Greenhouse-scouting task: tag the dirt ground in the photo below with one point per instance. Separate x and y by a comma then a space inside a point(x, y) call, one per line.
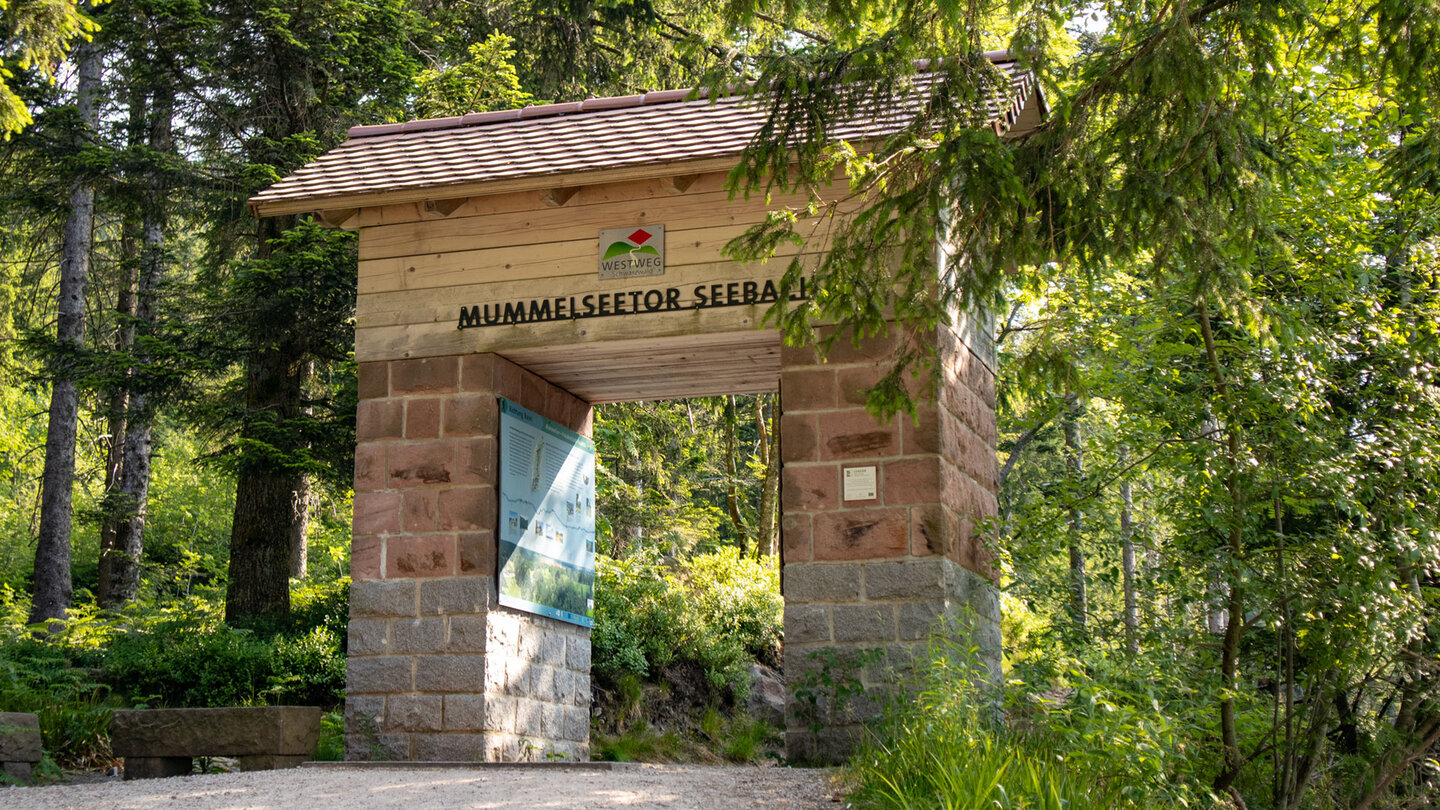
point(681, 787)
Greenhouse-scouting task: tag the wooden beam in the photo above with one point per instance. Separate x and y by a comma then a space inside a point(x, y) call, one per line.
point(445, 207)
point(557, 197)
point(336, 217)
point(680, 183)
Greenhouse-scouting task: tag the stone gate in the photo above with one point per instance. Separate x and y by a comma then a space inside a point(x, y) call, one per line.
point(481, 277)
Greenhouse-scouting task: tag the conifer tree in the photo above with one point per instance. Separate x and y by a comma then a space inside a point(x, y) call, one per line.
point(52, 589)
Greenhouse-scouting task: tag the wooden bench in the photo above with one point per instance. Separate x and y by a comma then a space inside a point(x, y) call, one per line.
point(161, 742)
point(19, 744)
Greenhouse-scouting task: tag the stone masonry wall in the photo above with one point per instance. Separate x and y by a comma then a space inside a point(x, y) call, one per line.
point(437, 669)
point(867, 581)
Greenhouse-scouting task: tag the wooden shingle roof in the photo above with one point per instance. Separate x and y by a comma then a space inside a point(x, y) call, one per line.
point(580, 142)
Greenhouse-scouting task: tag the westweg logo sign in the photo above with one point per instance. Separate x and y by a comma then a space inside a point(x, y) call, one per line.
point(632, 252)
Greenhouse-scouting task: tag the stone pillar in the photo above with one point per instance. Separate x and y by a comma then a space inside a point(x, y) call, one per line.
point(866, 582)
point(437, 669)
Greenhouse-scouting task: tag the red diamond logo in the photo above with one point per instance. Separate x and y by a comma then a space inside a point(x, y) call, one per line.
point(640, 237)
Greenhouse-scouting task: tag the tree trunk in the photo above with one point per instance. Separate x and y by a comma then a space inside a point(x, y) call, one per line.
point(300, 530)
point(265, 513)
point(1127, 553)
point(768, 542)
point(732, 496)
point(119, 403)
point(1234, 549)
point(1074, 464)
point(133, 492)
point(52, 590)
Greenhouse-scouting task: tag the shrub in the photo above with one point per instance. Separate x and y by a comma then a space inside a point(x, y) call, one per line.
point(223, 666)
point(73, 709)
point(717, 612)
point(951, 746)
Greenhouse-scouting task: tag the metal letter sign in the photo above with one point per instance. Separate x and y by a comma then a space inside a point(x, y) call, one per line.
point(632, 252)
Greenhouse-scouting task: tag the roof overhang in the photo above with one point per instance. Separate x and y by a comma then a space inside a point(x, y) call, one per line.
point(555, 147)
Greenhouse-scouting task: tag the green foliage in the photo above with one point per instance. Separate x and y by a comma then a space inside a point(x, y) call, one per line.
point(951, 746)
point(175, 653)
point(37, 34)
point(331, 747)
point(485, 81)
point(669, 474)
point(638, 743)
point(73, 708)
point(719, 612)
point(221, 666)
point(830, 682)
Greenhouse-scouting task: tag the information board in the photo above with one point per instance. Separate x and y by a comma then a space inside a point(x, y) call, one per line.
point(547, 517)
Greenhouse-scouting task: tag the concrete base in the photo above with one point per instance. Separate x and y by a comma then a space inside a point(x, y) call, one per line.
point(19, 744)
point(856, 631)
point(466, 680)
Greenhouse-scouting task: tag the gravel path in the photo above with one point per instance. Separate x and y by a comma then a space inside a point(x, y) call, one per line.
point(681, 787)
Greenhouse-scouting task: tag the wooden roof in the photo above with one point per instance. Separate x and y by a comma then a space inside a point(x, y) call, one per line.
point(596, 140)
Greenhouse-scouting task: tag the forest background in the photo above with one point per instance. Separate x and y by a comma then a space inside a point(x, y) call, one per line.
point(1216, 290)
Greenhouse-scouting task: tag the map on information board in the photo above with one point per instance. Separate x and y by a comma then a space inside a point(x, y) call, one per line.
point(547, 517)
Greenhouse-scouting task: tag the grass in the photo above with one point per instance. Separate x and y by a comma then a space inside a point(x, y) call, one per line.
point(711, 737)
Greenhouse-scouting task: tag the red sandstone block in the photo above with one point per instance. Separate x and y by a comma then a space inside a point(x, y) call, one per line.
point(980, 379)
point(971, 455)
point(807, 389)
point(475, 460)
point(379, 419)
point(798, 438)
point(911, 481)
point(869, 350)
point(796, 356)
point(365, 557)
point(961, 550)
point(862, 534)
point(960, 492)
point(970, 552)
point(374, 380)
point(467, 509)
point(425, 375)
point(376, 512)
point(508, 378)
point(855, 381)
point(810, 488)
point(477, 553)
point(796, 538)
point(422, 418)
point(949, 341)
point(421, 464)
point(560, 405)
point(856, 434)
point(420, 511)
point(533, 391)
point(970, 410)
point(931, 531)
point(370, 473)
point(477, 373)
point(430, 555)
point(920, 434)
point(472, 415)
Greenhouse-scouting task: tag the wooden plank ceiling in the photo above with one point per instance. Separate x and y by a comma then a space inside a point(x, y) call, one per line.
point(660, 368)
